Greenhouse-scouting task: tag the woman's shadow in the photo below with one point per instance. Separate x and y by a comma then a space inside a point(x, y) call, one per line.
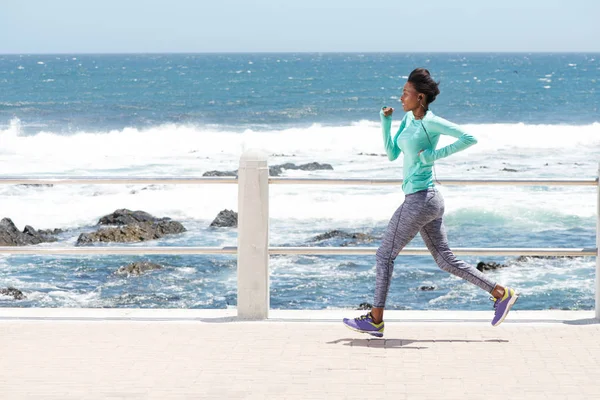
point(405, 343)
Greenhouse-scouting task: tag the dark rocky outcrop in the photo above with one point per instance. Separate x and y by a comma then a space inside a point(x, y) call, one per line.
point(276, 170)
point(139, 232)
point(133, 226)
point(426, 288)
point(10, 235)
point(365, 306)
point(225, 219)
point(351, 238)
point(483, 266)
point(55, 231)
point(124, 216)
point(12, 292)
point(138, 268)
point(339, 234)
point(220, 173)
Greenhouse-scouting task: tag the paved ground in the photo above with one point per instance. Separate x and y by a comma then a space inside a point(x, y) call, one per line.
point(193, 354)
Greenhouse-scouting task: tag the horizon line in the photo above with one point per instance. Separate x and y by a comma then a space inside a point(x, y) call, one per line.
point(298, 52)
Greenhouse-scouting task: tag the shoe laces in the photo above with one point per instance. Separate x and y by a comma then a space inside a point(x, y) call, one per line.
point(363, 317)
point(496, 302)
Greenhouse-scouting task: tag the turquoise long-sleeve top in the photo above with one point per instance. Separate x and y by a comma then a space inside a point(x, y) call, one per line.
point(411, 138)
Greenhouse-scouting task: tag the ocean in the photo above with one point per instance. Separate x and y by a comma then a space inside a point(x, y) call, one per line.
point(534, 115)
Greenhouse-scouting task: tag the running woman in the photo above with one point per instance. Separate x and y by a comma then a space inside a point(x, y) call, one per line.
point(423, 207)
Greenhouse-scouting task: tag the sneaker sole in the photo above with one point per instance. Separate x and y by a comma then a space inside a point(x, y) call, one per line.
point(511, 302)
point(376, 334)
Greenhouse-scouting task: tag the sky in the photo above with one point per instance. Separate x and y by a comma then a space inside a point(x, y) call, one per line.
point(197, 26)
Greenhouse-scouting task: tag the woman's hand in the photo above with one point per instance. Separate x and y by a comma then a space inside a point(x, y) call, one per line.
point(387, 111)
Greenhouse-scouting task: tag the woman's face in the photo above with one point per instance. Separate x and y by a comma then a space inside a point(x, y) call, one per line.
point(409, 98)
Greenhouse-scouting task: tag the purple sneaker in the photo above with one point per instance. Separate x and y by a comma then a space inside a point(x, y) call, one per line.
point(365, 324)
point(502, 306)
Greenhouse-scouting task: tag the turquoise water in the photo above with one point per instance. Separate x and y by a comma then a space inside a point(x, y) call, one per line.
point(65, 93)
point(183, 115)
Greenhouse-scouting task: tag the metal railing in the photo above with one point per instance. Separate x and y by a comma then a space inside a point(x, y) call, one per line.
point(191, 250)
point(253, 248)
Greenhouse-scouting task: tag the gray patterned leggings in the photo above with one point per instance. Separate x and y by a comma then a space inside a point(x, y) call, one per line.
point(421, 212)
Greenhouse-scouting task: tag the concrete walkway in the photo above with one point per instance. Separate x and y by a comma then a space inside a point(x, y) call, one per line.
point(208, 354)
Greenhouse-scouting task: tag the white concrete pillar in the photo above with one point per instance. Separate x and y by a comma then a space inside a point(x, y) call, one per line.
point(253, 236)
point(598, 249)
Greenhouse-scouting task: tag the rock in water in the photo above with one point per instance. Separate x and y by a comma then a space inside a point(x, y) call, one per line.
point(124, 216)
point(315, 166)
point(12, 292)
point(275, 170)
point(10, 235)
point(139, 232)
point(226, 218)
point(138, 268)
point(483, 266)
point(353, 238)
point(220, 173)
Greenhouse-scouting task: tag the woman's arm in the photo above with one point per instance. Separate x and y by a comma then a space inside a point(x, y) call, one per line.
point(443, 127)
point(391, 148)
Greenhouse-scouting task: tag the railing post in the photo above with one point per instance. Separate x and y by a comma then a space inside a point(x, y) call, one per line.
point(253, 236)
point(598, 248)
